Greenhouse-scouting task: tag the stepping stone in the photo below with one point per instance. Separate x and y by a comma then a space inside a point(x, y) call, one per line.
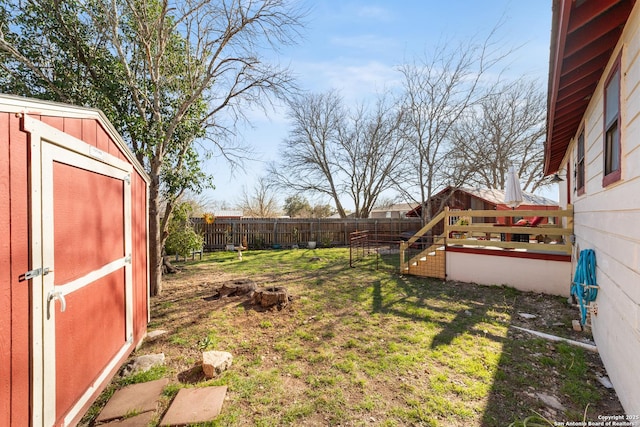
point(138, 398)
point(137, 421)
point(195, 405)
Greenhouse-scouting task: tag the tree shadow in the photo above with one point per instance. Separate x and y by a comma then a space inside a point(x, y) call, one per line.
point(465, 320)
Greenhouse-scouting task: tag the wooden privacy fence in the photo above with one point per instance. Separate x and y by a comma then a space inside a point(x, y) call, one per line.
point(262, 233)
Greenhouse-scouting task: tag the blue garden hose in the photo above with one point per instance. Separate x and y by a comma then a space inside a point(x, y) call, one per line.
point(584, 287)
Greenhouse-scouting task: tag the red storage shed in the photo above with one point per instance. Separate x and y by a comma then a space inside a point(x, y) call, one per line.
point(73, 259)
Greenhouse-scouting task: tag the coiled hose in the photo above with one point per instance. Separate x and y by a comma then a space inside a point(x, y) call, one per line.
point(584, 286)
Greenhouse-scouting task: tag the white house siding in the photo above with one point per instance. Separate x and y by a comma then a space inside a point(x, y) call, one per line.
point(608, 221)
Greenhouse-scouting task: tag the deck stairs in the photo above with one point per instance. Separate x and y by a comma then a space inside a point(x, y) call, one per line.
point(429, 262)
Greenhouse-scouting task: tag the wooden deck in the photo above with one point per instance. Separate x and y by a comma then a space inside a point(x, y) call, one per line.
point(462, 230)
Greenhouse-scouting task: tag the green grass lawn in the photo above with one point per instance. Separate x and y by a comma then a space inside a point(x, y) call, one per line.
point(366, 346)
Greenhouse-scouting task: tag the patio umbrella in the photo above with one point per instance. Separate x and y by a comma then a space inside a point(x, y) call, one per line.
point(512, 191)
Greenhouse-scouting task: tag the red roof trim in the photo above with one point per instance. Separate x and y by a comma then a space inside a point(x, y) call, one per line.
point(583, 36)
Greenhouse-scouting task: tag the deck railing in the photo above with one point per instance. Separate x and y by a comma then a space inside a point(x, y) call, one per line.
point(552, 235)
point(493, 230)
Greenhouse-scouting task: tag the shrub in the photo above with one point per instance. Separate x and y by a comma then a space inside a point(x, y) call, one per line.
point(182, 237)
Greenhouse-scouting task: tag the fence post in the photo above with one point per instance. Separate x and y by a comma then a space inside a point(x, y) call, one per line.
point(275, 232)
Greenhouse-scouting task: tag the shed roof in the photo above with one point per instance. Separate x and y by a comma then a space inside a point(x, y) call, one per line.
point(583, 37)
point(32, 106)
point(492, 196)
point(496, 196)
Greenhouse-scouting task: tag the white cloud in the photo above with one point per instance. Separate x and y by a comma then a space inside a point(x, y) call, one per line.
point(374, 12)
point(369, 42)
point(355, 80)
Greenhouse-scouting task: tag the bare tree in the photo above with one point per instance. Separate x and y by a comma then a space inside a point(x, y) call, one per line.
point(372, 154)
point(261, 203)
point(168, 74)
point(341, 154)
point(506, 128)
point(438, 90)
point(308, 156)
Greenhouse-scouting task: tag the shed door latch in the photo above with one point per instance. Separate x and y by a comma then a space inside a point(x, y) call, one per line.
point(34, 273)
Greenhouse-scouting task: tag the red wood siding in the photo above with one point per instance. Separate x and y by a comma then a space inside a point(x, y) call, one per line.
point(5, 274)
point(15, 347)
point(14, 255)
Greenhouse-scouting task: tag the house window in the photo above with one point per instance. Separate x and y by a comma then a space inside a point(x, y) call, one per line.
point(580, 165)
point(612, 127)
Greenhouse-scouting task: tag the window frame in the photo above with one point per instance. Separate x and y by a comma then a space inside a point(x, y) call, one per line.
point(612, 127)
point(580, 164)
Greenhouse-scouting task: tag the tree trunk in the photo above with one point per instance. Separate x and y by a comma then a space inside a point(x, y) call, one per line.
point(155, 246)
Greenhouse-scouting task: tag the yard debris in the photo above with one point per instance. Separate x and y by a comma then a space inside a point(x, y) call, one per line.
point(167, 267)
point(215, 362)
point(551, 401)
point(233, 288)
point(588, 346)
point(142, 364)
point(527, 315)
point(604, 381)
point(237, 288)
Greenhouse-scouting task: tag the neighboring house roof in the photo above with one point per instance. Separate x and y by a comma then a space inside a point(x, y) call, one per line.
point(398, 207)
point(228, 214)
point(583, 36)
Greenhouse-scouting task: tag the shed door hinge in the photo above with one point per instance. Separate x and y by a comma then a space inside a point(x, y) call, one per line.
point(34, 273)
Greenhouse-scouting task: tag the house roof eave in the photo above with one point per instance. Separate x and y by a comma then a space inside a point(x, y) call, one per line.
point(583, 37)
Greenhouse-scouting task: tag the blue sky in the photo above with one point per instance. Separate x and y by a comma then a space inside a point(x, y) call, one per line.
point(356, 47)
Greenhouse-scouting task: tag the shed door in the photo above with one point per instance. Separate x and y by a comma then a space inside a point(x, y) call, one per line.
point(83, 312)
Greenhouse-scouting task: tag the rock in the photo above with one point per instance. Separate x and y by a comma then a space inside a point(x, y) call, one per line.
point(215, 362)
point(527, 315)
point(551, 401)
point(142, 364)
point(577, 326)
point(156, 333)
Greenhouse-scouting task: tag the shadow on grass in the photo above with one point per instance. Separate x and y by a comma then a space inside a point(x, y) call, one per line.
point(530, 371)
point(416, 294)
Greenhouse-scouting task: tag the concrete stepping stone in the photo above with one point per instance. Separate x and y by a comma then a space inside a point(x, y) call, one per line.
point(138, 421)
point(142, 397)
point(195, 405)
